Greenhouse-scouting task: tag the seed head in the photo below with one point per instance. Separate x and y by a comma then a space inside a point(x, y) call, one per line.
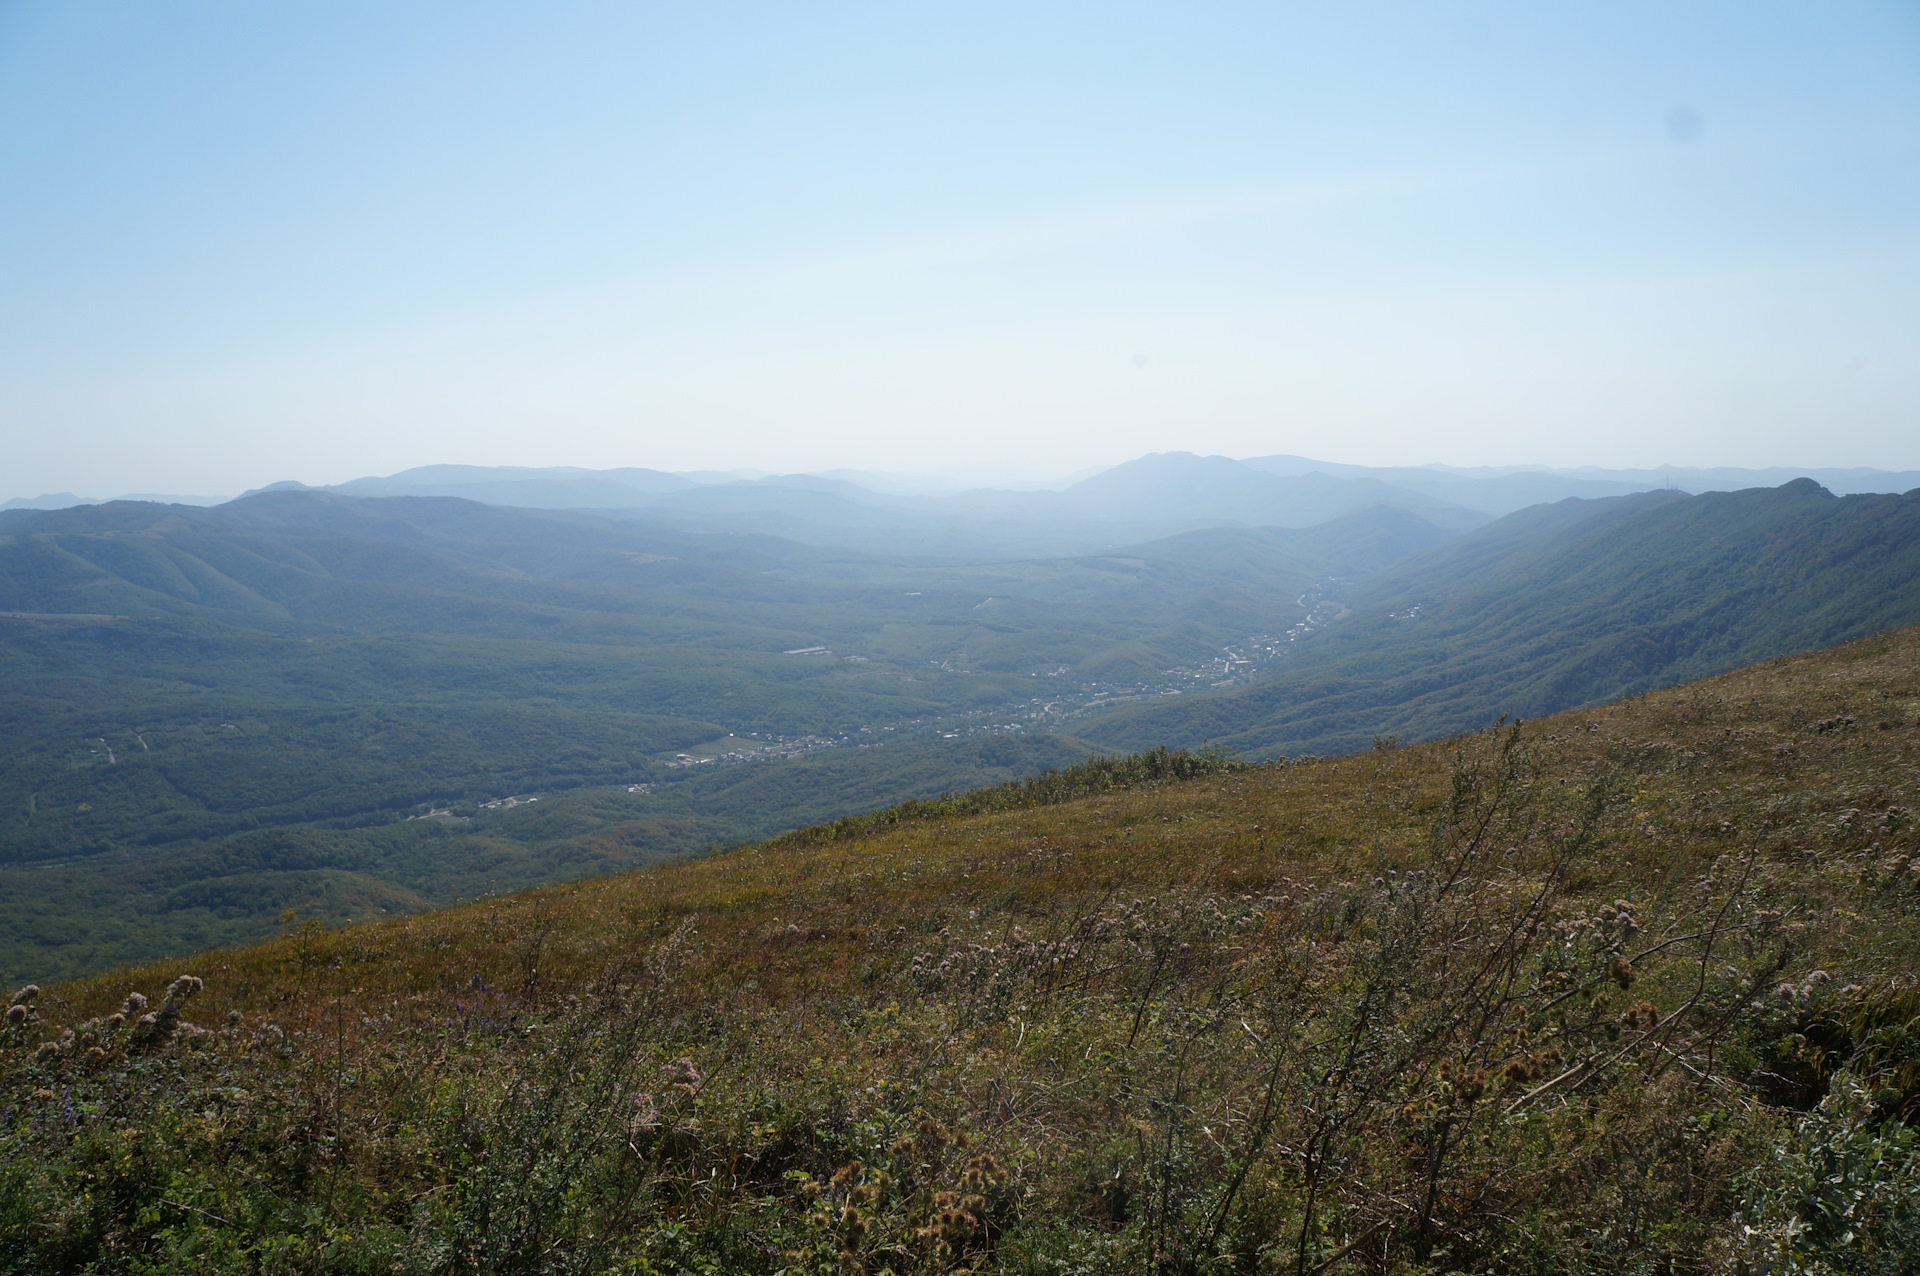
point(16, 1015)
point(134, 1005)
point(682, 1074)
point(646, 1117)
point(26, 994)
point(1640, 1014)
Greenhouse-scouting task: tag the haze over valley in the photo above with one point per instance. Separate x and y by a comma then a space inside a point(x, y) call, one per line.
point(385, 697)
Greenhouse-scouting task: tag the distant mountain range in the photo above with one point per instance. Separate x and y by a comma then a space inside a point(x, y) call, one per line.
point(67, 500)
point(1496, 488)
point(1157, 495)
point(1154, 495)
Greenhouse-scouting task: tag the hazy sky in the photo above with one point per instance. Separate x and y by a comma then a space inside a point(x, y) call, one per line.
point(242, 242)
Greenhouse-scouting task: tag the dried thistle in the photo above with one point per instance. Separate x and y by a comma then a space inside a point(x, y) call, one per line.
point(1640, 1014)
point(682, 1075)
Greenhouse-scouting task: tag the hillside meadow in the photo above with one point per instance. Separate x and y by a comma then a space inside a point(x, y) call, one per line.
point(1631, 989)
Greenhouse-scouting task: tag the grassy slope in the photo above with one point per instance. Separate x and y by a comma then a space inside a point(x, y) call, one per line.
point(1206, 1026)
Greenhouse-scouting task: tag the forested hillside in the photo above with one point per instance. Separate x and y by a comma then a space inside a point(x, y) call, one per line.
point(1564, 605)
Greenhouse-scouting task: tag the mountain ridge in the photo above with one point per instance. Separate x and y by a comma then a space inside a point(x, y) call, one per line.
point(1568, 604)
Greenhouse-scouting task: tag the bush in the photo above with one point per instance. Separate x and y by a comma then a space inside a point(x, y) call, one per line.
point(1049, 788)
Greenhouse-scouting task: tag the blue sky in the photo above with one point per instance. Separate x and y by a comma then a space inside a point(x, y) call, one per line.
point(245, 242)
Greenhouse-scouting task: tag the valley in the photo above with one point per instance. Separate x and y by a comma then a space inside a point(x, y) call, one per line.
point(213, 716)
